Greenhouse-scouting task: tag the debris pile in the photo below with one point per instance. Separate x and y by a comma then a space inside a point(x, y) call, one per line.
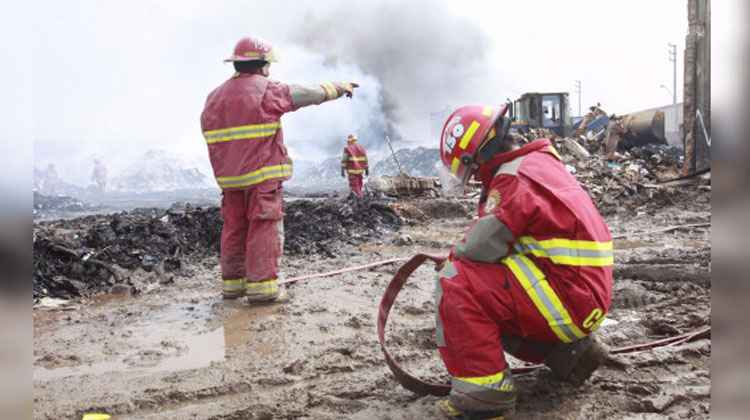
point(627, 181)
point(419, 161)
point(94, 253)
point(61, 203)
point(403, 186)
point(320, 227)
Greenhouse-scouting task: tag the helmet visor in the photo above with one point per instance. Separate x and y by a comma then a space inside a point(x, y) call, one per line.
point(449, 183)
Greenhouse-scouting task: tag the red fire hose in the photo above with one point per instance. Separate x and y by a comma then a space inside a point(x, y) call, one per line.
point(420, 387)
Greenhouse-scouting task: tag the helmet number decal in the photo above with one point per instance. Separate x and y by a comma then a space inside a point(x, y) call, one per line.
point(449, 142)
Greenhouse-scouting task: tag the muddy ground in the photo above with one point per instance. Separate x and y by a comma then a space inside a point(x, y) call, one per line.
point(175, 350)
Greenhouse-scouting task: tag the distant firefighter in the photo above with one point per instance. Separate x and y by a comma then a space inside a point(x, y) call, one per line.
point(241, 123)
point(354, 162)
point(99, 175)
point(50, 179)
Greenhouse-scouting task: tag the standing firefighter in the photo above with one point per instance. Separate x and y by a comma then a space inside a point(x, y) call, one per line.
point(99, 175)
point(532, 275)
point(355, 164)
point(242, 127)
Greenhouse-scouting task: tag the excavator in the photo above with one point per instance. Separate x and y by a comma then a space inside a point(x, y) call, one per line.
point(552, 111)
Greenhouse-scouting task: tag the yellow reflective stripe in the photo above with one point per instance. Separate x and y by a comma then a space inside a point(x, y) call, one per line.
point(343, 164)
point(355, 171)
point(568, 251)
point(487, 111)
point(262, 174)
point(331, 91)
point(230, 285)
point(357, 159)
point(544, 297)
point(251, 54)
point(263, 287)
point(96, 416)
point(469, 134)
point(454, 165)
point(483, 380)
point(241, 132)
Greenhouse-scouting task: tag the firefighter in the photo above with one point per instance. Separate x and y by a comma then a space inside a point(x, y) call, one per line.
point(532, 276)
point(50, 180)
point(355, 164)
point(242, 127)
point(99, 175)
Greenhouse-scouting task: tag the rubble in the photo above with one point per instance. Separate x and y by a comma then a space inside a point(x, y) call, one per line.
point(92, 254)
point(61, 203)
point(403, 186)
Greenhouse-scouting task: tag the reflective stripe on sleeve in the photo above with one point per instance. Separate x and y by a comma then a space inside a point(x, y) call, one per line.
point(255, 177)
point(241, 132)
point(567, 251)
point(544, 297)
point(263, 287)
point(331, 92)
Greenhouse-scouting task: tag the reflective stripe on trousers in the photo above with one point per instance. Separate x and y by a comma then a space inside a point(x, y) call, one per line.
point(544, 297)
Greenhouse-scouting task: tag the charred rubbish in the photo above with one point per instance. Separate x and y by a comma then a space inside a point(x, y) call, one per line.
point(91, 254)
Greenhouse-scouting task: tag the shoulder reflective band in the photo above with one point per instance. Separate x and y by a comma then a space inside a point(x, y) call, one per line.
point(255, 177)
point(554, 152)
point(357, 159)
point(567, 251)
point(241, 132)
point(544, 297)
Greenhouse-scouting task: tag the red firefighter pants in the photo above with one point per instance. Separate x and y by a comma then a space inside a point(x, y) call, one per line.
point(476, 304)
point(252, 239)
point(355, 184)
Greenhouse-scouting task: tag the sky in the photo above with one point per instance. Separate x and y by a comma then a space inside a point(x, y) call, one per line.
point(114, 78)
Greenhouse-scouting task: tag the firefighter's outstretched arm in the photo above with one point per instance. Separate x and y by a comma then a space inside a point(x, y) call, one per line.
point(305, 95)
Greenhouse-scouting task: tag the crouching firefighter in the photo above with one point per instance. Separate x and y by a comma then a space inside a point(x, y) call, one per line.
point(355, 164)
point(531, 277)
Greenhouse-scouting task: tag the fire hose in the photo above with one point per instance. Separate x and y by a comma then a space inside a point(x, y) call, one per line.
point(422, 388)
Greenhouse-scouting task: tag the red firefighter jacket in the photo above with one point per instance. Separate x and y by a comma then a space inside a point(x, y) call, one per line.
point(242, 127)
point(536, 219)
point(355, 159)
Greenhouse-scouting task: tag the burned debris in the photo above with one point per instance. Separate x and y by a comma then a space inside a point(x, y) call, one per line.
point(92, 254)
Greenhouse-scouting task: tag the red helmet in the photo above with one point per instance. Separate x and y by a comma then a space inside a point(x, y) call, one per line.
point(351, 138)
point(252, 48)
point(469, 130)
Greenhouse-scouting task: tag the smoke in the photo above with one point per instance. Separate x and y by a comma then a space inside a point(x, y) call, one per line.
point(424, 58)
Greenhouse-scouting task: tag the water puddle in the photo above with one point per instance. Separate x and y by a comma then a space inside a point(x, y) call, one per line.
point(171, 338)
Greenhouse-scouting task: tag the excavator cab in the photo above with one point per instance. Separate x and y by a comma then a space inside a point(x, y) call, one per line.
point(545, 110)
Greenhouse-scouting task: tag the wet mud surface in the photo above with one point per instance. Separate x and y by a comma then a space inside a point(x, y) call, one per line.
point(176, 350)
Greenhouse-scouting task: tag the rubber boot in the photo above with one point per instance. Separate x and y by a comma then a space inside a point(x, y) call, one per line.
point(453, 413)
point(575, 362)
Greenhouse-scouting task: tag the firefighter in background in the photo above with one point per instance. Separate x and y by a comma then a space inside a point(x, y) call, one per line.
point(241, 123)
point(99, 175)
point(532, 275)
point(355, 164)
point(50, 179)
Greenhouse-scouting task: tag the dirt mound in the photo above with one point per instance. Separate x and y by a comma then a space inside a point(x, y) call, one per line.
point(91, 254)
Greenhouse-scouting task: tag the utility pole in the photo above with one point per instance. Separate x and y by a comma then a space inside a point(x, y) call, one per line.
point(578, 91)
point(673, 59)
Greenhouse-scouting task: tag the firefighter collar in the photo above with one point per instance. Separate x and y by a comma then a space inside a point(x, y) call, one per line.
point(487, 170)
